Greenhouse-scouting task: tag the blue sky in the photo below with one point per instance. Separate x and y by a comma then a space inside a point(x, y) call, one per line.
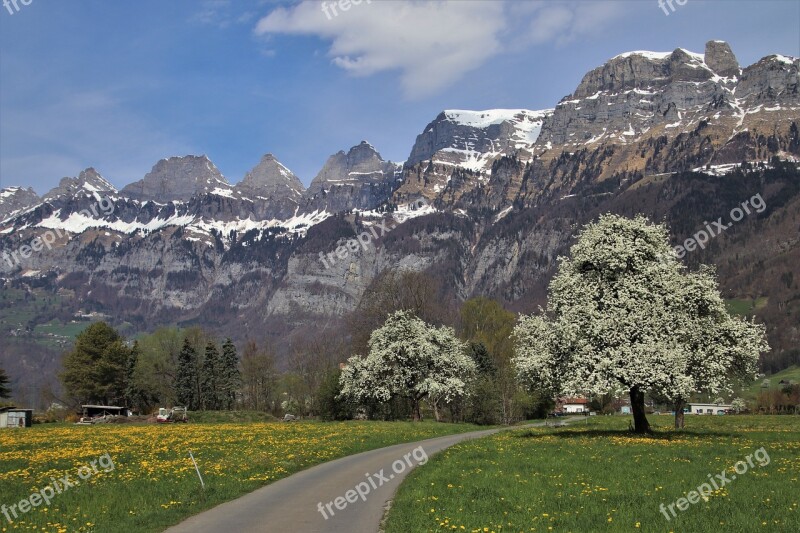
point(118, 85)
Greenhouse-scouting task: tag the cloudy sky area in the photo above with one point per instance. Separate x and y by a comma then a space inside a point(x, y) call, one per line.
point(120, 85)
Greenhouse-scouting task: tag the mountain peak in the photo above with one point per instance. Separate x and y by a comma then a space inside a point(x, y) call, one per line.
point(88, 182)
point(179, 178)
point(15, 199)
point(719, 58)
point(474, 139)
point(360, 164)
point(271, 179)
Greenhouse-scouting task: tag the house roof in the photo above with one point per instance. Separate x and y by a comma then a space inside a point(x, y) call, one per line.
point(580, 401)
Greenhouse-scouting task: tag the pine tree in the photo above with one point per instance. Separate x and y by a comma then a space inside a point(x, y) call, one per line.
point(483, 359)
point(5, 390)
point(133, 394)
point(210, 378)
point(231, 377)
point(94, 371)
point(186, 376)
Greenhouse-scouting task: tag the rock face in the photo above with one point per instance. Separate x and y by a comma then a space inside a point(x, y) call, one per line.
point(273, 189)
point(88, 182)
point(270, 180)
point(357, 179)
point(719, 58)
point(774, 79)
point(639, 93)
point(474, 139)
point(179, 179)
point(16, 199)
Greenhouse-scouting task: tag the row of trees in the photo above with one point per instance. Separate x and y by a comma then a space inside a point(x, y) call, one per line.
point(210, 384)
point(623, 315)
point(175, 366)
point(104, 368)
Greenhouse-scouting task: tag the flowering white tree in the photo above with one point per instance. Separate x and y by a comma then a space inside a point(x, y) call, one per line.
point(624, 315)
point(738, 405)
point(410, 359)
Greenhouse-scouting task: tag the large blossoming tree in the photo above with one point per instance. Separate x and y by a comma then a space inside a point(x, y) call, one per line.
point(411, 359)
point(624, 315)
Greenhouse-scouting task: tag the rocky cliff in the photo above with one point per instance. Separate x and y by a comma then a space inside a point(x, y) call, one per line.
point(179, 179)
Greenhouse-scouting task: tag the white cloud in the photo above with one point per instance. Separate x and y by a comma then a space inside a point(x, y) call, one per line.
point(564, 22)
point(432, 43)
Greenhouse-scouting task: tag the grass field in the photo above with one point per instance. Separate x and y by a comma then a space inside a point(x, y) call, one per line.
point(745, 306)
point(790, 374)
point(153, 483)
point(600, 477)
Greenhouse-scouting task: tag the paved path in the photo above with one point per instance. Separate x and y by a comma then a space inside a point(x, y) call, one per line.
point(293, 503)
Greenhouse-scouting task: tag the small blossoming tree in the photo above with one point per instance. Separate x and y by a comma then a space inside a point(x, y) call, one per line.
point(411, 359)
point(624, 315)
point(738, 405)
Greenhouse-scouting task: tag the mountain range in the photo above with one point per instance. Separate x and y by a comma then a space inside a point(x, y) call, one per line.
point(485, 203)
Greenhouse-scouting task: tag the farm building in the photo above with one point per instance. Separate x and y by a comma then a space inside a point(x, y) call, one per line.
point(572, 405)
point(92, 411)
point(709, 408)
point(13, 417)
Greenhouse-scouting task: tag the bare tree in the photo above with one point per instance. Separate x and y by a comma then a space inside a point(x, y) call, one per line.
point(259, 377)
point(396, 290)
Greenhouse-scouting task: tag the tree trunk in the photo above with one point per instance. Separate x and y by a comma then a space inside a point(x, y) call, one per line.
point(436, 410)
point(679, 422)
point(640, 423)
point(417, 411)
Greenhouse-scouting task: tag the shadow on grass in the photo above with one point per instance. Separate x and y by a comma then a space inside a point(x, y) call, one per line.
point(605, 433)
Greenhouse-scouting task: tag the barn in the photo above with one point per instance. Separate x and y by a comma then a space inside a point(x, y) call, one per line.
point(14, 417)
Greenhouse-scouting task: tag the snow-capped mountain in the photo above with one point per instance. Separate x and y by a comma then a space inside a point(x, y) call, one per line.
point(271, 180)
point(357, 179)
point(638, 94)
point(475, 139)
point(89, 183)
point(16, 199)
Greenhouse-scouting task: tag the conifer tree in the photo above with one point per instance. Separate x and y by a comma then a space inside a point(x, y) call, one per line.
point(186, 376)
point(231, 377)
point(210, 378)
point(5, 390)
point(94, 371)
point(133, 395)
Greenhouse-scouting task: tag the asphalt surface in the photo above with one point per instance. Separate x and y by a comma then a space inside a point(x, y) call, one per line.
point(306, 502)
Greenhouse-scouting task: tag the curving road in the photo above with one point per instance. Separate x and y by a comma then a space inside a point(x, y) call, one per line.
point(343, 496)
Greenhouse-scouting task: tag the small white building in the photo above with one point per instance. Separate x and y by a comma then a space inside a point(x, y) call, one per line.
point(13, 417)
point(709, 408)
point(573, 405)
